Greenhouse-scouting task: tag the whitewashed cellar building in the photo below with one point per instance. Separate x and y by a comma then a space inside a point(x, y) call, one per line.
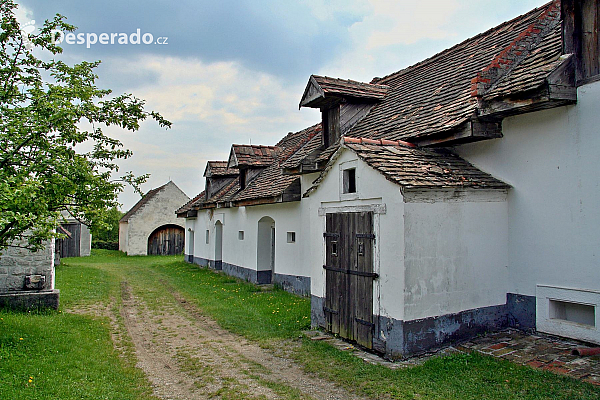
point(452, 197)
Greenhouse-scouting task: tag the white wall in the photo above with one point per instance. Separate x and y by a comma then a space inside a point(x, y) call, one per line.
point(244, 253)
point(123, 235)
point(456, 252)
point(551, 160)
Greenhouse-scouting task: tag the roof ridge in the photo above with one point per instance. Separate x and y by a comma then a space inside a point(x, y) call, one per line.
point(351, 81)
point(456, 46)
point(255, 145)
point(513, 54)
point(141, 202)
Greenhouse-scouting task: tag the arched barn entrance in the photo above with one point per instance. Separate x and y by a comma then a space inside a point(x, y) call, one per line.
point(166, 240)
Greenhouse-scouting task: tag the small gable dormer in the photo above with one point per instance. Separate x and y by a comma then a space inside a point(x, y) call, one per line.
point(342, 102)
point(250, 160)
point(217, 175)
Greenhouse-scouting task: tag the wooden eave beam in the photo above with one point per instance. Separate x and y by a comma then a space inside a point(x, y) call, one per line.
point(558, 90)
point(257, 202)
point(470, 131)
point(191, 214)
point(548, 96)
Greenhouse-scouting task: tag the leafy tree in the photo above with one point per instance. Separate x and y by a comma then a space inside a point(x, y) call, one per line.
point(110, 231)
point(44, 109)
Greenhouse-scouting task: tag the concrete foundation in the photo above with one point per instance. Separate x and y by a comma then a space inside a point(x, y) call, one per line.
point(30, 300)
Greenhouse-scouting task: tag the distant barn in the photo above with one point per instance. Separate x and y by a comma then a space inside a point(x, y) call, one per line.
point(151, 227)
point(77, 241)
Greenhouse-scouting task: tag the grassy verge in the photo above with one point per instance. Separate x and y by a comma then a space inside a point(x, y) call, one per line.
point(242, 308)
point(56, 348)
point(239, 306)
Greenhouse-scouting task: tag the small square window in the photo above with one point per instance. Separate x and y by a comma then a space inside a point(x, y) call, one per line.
point(207, 236)
point(291, 237)
point(350, 180)
point(241, 235)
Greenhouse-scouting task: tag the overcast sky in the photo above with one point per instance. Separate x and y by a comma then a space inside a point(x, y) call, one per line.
point(234, 71)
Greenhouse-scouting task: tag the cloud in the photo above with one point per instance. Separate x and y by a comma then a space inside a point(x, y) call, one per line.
point(406, 22)
point(211, 105)
point(394, 34)
point(283, 38)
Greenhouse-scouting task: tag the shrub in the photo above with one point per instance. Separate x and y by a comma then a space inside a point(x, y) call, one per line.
point(105, 245)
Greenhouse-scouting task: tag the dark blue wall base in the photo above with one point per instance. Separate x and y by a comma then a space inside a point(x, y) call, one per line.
point(203, 262)
point(317, 316)
point(264, 277)
point(293, 284)
point(422, 335)
point(398, 339)
point(521, 311)
point(240, 272)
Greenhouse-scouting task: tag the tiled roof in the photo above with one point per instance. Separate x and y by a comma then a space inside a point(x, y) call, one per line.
point(525, 46)
point(268, 183)
point(252, 155)
point(416, 168)
point(533, 70)
point(190, 204)
point(436, 95)
point(412, 167)
point(147, 197)
point(293, 142)
point(313, 143)
point(219, 168)
point(320, 89)
point(346, 87)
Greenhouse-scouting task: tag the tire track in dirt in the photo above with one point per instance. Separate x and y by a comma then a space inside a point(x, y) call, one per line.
point(187, 355)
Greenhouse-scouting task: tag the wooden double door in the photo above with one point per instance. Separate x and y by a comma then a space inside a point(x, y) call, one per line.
point(349, 243)
point(166, 240)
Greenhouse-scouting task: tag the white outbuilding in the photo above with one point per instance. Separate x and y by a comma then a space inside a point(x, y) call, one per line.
point(151, 226)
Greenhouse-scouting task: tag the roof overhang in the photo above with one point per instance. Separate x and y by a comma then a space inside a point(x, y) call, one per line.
point(559, 89)
point(324, 92)
point(469, 131)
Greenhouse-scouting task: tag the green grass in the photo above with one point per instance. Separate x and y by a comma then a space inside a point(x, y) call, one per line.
point(56, 348)
point(51, 355)
point(461, 376)
point(239, 306)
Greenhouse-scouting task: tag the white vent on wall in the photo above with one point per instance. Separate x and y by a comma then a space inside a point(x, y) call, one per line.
point(568, 312)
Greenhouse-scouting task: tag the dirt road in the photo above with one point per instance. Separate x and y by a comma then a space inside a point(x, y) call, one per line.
point(188, 356)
